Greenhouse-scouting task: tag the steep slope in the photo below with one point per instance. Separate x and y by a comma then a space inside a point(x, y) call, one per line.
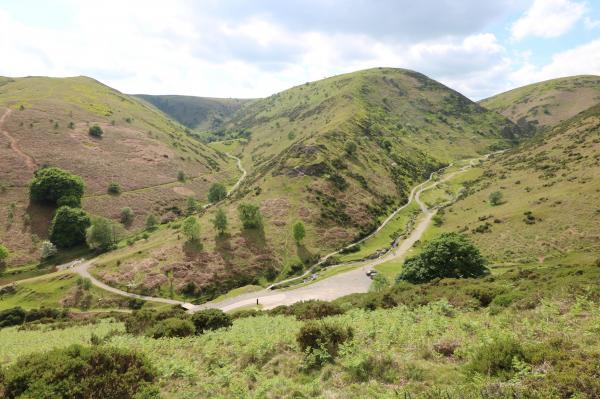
point(45, 121)
point(198, 113)
point(542, 105)
point(549, 205)
point(301, 167)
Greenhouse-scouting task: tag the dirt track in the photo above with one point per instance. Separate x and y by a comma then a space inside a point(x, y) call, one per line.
point(14, 145)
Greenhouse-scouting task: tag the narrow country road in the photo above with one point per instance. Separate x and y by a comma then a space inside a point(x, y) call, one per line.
point(353, 281)
point(14, 145)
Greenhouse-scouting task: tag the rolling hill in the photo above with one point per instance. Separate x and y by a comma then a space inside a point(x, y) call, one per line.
point(196, 113)
point(337, 154)
point(548, 209)
point(542, 105)
point(45, 122)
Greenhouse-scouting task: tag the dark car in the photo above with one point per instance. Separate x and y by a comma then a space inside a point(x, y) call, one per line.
point(371, 273)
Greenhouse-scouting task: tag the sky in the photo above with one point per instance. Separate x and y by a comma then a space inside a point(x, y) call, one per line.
point(254, 48)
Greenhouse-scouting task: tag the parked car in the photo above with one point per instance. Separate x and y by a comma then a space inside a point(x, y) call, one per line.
point(371, 273)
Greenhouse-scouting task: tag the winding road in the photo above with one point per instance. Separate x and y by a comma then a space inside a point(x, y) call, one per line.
point(345, 283)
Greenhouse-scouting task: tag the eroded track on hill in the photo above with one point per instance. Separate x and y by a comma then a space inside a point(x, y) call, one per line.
point(14, 145)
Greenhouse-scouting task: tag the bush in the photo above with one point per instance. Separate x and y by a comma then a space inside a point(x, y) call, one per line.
point(151, 222)
point(172, 327)
point(496, 198)
point(80, 372)
point(351, 148)
point(48, 250)
point(217, 192)
point(3, 256)
point(127, 216)
point(114, 188)
point(52, 185)
point(450, 255)
point(12, 317)
point(210, 319)
point(309, 310)
point(68, 227)
point(323, 335)
point(250, 216)
point(496, 358)
point(103, 234)
point(299, 232)
point(181, 175)
point(140, 321)
point(95, 131)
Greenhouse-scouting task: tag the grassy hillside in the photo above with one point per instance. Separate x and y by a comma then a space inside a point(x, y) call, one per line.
point(545, 104)
point(197, 113)
point(46, 122)
point(549, 208)
point(294, 146)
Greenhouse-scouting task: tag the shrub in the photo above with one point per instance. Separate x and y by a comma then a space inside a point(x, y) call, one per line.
point(139, 322)
point(351, 148)
point(95, 131)
point(127, 216)
point(323, 335)
point(52, 185)
point(80, 372)
point(48, 250)
point(181, 175)
point(250, 216)
point(210, 319)
point(496, 358)
point(299, 232)
point(496, 198)
point(192, 205)
point(220, 221)
point(68, 227)
point(172, 327)
point(217, 192)
point(151, 222)
point(12, 317)
point(114, 188)
point(103, 234)
point(3, 256)
point(84, 283)
point(450, 255)
point(310, 310)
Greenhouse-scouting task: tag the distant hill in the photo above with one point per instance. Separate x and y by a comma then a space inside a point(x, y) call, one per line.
point(549, 198)
point(542, 105)
point(339, 155)
point(198, 113)
point(45, 121)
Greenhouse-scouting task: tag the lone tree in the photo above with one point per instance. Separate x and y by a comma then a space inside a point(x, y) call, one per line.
point(48, 250)
point(496, 198)
point(103, 234)
point(250, 216)
point(127, 216)
point(68, 227)
point(220, 221)
point(451, 255)
point(57, 187)
point(299, 232)
point(217, 192)
point(151, 222)
point(3, 256)
point(192, 205)
point(191, 229)
point(95, 131)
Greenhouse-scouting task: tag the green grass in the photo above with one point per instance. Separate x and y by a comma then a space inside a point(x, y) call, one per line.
point(238, 291)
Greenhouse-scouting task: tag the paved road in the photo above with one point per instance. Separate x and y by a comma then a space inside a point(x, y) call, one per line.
point(353, 281)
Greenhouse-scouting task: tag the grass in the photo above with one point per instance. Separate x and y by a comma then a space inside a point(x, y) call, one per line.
point(238, 291)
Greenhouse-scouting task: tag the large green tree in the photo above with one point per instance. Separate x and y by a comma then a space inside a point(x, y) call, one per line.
point(451, 255)
point(68, 227)
point(217, 192)
point(57, 187)
point(250, 216)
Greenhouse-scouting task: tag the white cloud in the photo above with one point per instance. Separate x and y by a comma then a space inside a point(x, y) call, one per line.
point(581, 60)
point(548, 18)
point(591, 23)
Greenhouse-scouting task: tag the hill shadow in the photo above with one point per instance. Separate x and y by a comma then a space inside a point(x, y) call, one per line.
point(255, 238)
point(223, 246)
